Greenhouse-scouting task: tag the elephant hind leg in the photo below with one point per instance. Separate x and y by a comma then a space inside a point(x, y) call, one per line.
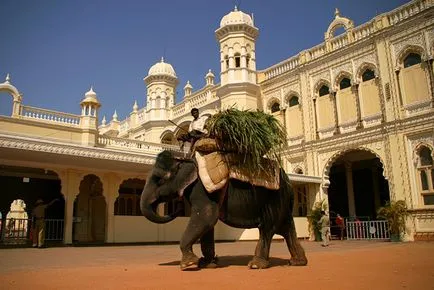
point(298, 256)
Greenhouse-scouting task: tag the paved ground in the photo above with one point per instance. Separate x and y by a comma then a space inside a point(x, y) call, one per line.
point(343, 265)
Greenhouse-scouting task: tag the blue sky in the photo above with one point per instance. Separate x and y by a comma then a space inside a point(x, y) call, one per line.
point(55, 50)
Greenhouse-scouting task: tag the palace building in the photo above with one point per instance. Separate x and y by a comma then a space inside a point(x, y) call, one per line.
point(357, 109)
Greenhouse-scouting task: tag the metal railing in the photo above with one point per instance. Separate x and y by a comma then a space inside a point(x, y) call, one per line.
point(367, 230)
point(18, 231)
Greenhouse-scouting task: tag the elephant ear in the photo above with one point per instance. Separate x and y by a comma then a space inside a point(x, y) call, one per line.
point(186, 175)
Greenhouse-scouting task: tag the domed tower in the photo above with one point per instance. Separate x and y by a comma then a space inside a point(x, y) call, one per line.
point(161, 83)
point(89, 117)
point(237, 37)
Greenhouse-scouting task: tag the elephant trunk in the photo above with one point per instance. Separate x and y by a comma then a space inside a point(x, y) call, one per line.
point(149, 206)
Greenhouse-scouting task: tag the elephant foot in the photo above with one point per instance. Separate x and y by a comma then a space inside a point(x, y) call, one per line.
point(207, 263)
point(189, 261)
point(258, 263)
point(298, 262)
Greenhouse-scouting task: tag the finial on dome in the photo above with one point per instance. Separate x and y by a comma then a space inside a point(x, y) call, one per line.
point(103, 122)
point(135, 106)
point(162, 59)
point(115, 116)
point(8, 78)
point(337, 13)
point(236, 8)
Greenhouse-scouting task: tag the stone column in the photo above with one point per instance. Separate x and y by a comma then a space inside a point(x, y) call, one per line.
point(350, 189)
point(111, 183)
point(70, 188)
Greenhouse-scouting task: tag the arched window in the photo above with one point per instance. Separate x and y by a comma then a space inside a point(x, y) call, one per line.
point(368, 75)
point(412, 59)
point(425, 157)
point(227, 62)
point(293, 101)
point(275, 107)
point(344, 83)
point(324, 90)
point(237, 60)
point(128, 201)
point(426, 175)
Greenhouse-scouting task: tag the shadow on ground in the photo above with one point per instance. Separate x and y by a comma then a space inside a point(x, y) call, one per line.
point(226, 261)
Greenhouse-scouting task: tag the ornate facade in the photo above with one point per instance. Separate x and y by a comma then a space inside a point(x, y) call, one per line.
point(357, 108)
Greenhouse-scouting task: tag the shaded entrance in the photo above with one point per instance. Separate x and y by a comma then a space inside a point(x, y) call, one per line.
point(90, 212)
point(357, 186)
point(21, 187)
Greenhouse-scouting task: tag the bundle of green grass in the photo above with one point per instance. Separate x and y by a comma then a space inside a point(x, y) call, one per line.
point(251, 134)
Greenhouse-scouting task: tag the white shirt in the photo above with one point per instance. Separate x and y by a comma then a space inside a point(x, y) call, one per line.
point(198, 125)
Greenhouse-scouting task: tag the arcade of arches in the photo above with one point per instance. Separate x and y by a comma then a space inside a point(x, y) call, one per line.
point(357, 185)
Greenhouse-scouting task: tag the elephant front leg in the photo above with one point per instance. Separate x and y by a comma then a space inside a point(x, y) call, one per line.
point(201, 225)
point(262, 252)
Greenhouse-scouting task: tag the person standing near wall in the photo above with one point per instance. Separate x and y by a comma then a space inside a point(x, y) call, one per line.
point(38, 217)
point(341, 226)
point(325, 228)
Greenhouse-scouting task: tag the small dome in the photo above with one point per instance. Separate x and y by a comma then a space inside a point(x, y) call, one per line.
point(90, 93)
point(236, 17)
point(90, 97)
point(209, 74)
point(188, 85)
point(162, 68)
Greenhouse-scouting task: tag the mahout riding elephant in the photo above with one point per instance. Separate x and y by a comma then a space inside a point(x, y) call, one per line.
point(243, 206)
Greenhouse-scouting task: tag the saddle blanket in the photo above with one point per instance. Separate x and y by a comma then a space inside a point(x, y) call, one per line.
point(216, 168)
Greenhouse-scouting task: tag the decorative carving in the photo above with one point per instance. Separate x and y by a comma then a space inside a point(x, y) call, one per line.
point(418, 108)
point(376, 148)
point(324, 75)
point(66, 149)
point(415, 41)
point(345, 68)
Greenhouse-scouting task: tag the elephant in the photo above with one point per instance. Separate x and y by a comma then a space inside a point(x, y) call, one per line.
point(243, 206)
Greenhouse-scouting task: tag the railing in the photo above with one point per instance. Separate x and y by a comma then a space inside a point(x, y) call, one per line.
point(360, 32)
point(124, 125)
point(178, 110)
point(199, 100)
point(367, 230)
point(282, 67)
point(408, 10)
point(54, 229)
point(114, 142)
point(18, 231)
point(339, 41)
point(49, 116)
point(363, 30)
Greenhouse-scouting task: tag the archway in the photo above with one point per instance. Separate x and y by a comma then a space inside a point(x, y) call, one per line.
point(90, 212)
point(21, 188)
point(357, 185)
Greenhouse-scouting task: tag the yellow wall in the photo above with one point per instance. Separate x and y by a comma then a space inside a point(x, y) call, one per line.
point(369, 98)
point(294, 122)
point(414, 84)
point(325, 107)
point(139, 229)
point(346, 101)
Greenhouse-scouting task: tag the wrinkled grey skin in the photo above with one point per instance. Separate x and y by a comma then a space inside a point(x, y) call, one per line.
point(244, 206)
